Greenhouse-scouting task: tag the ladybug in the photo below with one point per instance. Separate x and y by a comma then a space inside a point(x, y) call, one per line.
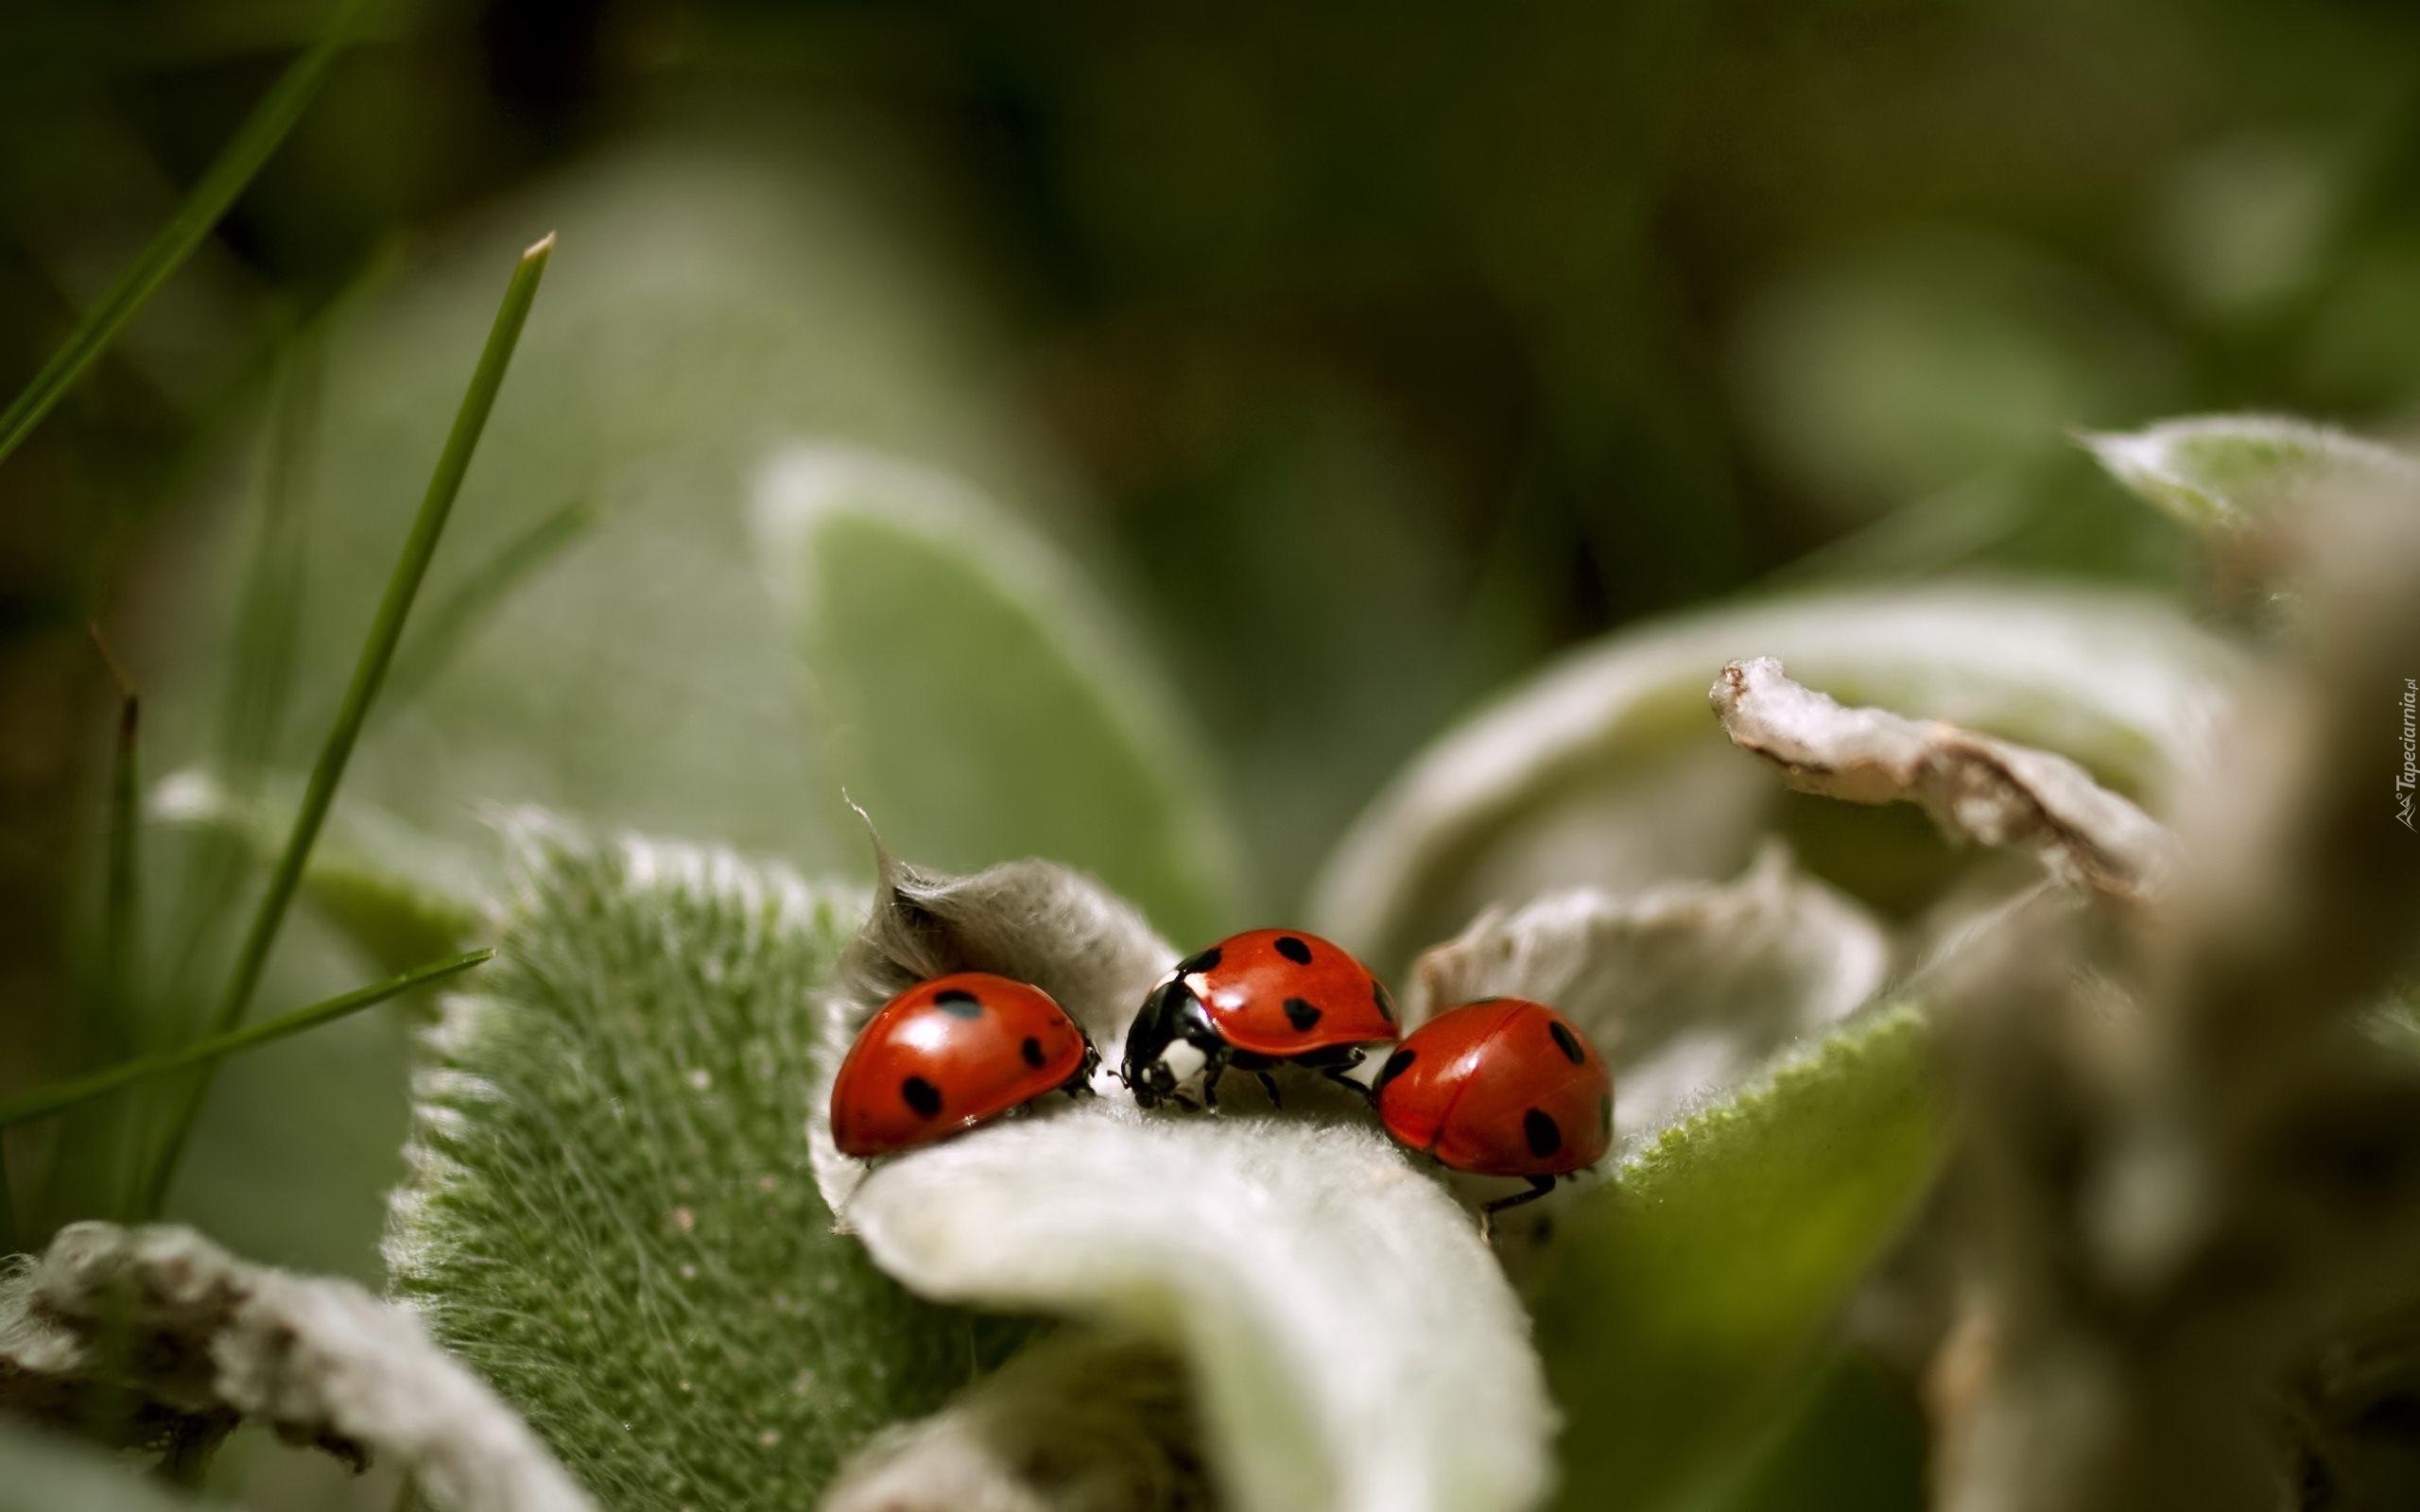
point(1251, 1002)
point(948, 1054)
point(1504, 1087)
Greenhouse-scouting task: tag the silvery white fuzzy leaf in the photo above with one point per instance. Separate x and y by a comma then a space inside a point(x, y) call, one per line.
point(1990, 792)
point(2227, 471)
point(1080, 1423)
point(318, 1359)
point(1609, 754)
point(1032, 920)
point(1687, 988)
point(1351, 1342)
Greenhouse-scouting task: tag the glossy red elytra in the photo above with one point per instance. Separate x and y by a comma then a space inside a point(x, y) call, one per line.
point(1252, 1001)
point(948, 1054)
point(1505, 1087)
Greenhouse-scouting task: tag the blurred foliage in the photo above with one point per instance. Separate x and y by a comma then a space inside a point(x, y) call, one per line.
point(39, 1473)
point(1668, 295)
point(1853, 1439)
point(1363, 356)
point(973, 697)
point(2229, 473)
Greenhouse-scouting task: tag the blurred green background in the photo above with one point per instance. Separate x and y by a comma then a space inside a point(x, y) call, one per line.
point(1363, 356)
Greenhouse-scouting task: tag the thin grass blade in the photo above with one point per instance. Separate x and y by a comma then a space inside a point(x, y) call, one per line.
point(264, 653)
point(42, 1102)
point(266, 633)
point(447, 625)
point(377, 653)
point(119, 902)
point(235, 167)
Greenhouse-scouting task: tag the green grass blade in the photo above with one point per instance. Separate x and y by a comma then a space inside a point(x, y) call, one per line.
point(264, 651)
point(377, 652)
point(391, 894)
point(119, 902)
point(45, 1101)
point(448, 624)
point(267, 634)
point(211, 197)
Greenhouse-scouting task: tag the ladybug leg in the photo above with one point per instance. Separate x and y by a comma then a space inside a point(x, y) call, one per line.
point(1079, 1086)
point(1539, 1187)
point(1210, 1074)
point(1268, 1084)
point(1342, 1077)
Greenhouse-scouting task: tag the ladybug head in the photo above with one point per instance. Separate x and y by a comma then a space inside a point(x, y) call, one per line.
point(1154, 1085)
point(1160, 1053)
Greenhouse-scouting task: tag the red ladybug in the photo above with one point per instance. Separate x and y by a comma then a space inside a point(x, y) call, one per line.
point(947, 1054)
point(1252, 1001)
point(1505, 1087)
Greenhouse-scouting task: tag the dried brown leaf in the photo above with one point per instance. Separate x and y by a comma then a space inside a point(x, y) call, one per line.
point(197, 1336)
point(1989, 791)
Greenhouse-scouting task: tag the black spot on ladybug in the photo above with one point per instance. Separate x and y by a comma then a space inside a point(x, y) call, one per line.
point(1293, 950)
point(1566, 1041)
point(1540, 1130)
point(921, 1095)
point(959, 1002)
point(1207, 960)
point(1302, 1014)
point(1396, 1065)
point(1386, 1005)
point(1032, 1050)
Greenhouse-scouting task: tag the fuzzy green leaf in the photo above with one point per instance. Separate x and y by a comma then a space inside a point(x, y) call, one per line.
point(2225, 472)
point(612, 1215)
point(976, 696)
point(1698, 1286)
